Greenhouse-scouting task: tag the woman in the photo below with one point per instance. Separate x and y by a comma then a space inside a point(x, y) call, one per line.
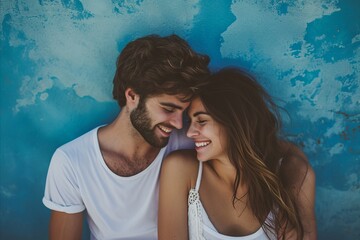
point(243, 181)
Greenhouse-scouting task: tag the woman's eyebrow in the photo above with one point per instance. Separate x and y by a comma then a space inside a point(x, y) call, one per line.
point(199, 113)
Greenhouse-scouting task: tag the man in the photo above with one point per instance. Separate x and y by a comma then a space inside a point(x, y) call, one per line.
point(112, 171)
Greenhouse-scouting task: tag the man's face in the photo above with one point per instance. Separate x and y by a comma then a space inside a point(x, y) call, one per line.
point(156, 117)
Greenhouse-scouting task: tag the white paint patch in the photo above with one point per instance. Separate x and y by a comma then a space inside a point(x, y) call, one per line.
point(321, 37)
point(8, 191)
point(336, 149)
point(310, 145)
point(265, 38)
point(353, 181)
point(29, 89)
point(355, 39)
point(336, 128)
point(82, 52)
point(44, 96)
point(246, 36)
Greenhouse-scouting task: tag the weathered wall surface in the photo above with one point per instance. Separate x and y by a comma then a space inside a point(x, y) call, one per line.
point(58, 60)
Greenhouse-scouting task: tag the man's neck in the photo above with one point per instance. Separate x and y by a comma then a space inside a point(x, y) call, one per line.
point(124, 150)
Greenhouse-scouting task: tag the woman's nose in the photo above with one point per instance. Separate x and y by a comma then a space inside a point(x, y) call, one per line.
point(192, 131)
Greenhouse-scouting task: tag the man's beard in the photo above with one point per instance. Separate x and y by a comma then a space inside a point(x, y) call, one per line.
point(141, 121)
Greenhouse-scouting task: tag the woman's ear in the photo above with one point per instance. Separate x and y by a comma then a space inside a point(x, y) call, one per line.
point(132, 98)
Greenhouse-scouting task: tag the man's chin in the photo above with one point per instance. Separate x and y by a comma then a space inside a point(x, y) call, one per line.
point(158, 142)
point(162, 143)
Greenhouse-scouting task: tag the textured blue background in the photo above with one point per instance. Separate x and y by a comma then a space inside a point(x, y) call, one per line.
point(58, 60)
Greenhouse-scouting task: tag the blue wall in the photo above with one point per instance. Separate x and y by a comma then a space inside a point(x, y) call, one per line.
point(58, 60)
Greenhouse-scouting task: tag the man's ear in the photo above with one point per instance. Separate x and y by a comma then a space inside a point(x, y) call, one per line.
point(132, 98)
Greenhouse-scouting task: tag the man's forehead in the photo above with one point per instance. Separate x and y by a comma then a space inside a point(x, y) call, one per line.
point(173, 97)
point(175, 100)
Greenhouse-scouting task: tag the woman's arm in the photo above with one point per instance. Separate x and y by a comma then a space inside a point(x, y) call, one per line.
point(306, 204)
point(299, 178)
point(178, 176)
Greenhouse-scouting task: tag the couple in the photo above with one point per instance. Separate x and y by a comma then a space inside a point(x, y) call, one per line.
point(241, 182)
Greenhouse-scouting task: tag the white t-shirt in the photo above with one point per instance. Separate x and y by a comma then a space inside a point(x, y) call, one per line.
point(117, 207)
point(200, 226)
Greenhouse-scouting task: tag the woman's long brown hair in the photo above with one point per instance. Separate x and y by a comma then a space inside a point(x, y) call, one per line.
point(252, 123)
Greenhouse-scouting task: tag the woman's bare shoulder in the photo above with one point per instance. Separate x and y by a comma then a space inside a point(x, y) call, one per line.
point(182, 164)
point(295, 166)
point(182, 158)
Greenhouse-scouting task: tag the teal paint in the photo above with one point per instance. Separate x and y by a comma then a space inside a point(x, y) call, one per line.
point(58, 60)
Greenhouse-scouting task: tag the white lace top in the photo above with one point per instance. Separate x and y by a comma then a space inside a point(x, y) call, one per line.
point(200, 226)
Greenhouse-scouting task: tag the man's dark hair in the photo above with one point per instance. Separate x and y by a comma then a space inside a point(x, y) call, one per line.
point(154, 65)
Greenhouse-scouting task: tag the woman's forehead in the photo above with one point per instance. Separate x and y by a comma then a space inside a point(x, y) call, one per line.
point(196, 106)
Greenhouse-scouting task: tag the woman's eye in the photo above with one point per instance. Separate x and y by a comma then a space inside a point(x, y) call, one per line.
point(201, 122)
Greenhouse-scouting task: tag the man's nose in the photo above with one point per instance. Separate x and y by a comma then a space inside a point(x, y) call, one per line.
point(177, 121)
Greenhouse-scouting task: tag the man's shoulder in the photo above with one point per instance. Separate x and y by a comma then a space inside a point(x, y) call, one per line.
point(85, 137)
point(74, 154)
point(81, 143)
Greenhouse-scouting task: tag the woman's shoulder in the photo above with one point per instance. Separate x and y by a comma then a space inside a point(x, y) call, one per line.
point(295, 167)
point(293, 156)
point(182, 164)
point(182, 158)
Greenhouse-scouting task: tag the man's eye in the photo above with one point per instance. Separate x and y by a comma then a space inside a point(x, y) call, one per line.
point(170, 110)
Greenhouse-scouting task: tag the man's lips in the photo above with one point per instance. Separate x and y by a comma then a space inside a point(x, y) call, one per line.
point(165, 130)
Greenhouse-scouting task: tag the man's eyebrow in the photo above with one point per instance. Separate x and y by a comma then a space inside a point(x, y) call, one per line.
point(167, 104)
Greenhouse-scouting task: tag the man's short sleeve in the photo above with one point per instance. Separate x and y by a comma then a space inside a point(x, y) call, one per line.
point(62, 191)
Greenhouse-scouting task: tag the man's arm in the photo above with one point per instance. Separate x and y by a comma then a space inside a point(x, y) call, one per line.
point(65, 226)
point(63, 198)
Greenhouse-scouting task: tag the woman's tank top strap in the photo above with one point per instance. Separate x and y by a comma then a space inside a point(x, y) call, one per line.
point(198, 180)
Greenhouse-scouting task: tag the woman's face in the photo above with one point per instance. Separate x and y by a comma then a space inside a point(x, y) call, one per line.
point(208, 135)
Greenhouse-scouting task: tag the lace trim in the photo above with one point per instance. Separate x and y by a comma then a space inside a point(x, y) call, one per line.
point(194, 216)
